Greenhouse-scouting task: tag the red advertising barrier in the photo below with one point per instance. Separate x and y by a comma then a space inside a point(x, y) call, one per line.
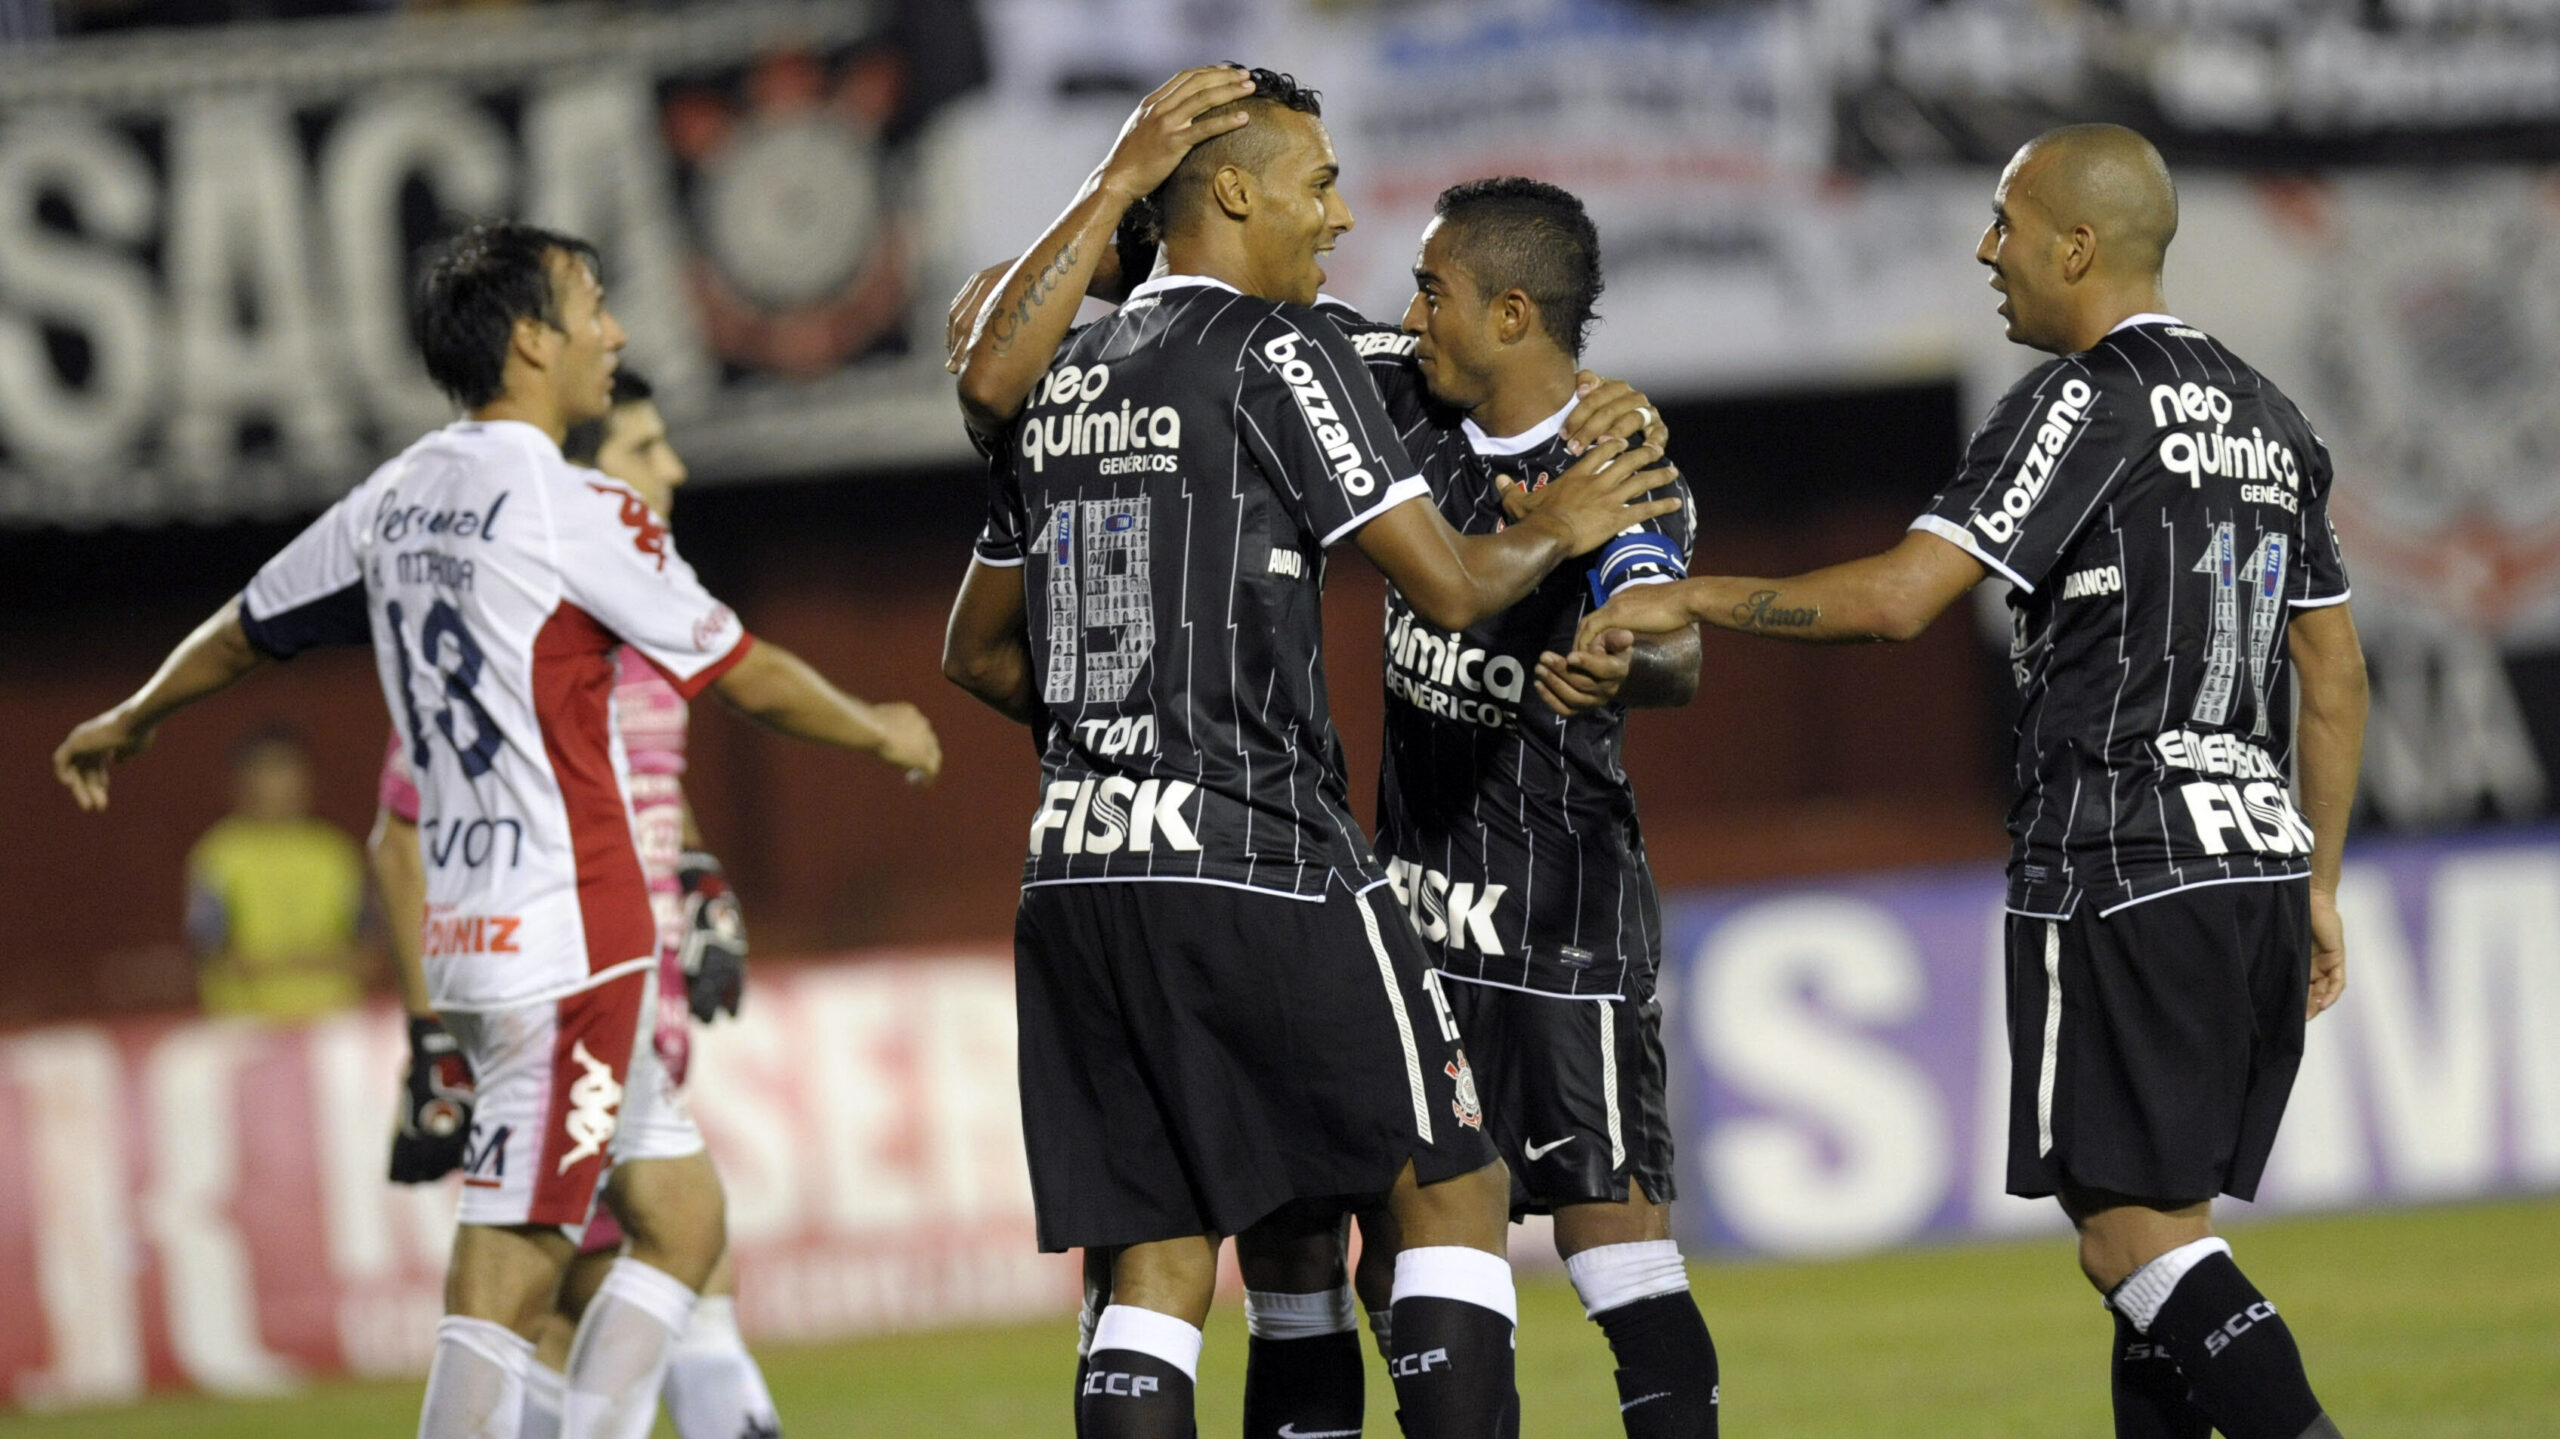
point(187, 1203)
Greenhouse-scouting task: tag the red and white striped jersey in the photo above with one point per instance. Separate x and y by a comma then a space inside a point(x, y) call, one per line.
point(494, 580)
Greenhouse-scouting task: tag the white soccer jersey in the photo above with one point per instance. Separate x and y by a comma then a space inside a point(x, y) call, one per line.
point(494, 579)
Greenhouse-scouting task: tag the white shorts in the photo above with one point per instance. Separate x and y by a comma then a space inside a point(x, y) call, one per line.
point(566, 1088)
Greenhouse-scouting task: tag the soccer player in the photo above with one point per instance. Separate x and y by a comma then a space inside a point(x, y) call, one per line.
point(2161, 511)
point(714, 1388)
point(495, 581)
point(1511, 838)
point(1217, 1025)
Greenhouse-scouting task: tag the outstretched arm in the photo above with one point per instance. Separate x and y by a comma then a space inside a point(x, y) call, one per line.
point(2329, 744)
point(1014, 335)
point(777, 688)
point(1891, 596)
point(1454, 580)
point(985, 648)
point(206, 662)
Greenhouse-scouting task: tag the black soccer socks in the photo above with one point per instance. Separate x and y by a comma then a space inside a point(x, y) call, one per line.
point(2150, 1394)
point(1137, 1380)
point(1668, 1387)
point(2242, 1368)
point(1638, 1293)
point(1302, 1376)
point(1452, 1362)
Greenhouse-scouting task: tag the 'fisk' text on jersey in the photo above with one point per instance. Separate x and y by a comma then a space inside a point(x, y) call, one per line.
point(1113, 812)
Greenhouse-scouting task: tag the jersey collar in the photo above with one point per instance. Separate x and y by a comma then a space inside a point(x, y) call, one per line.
point(1523, 442)
point(2146, 318)
point(1162, 283)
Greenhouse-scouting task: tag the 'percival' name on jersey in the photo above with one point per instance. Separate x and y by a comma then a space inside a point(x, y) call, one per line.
point(2161, 509)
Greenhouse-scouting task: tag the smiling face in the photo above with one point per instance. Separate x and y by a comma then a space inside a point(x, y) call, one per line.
point(1297, 207)
point(2025, 251)
point(581, 352)
point(1452, 323)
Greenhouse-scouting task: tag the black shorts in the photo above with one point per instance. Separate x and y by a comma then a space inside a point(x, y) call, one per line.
point(1573, 1092)
point(2151, 1052)
point(1194, 1057)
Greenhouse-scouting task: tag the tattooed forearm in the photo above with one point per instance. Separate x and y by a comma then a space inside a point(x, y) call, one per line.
point(1044, 285)
point(1762, 611)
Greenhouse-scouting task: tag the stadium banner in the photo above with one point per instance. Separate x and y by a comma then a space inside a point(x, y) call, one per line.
point(1842, 1066)
point(208, 236)
point(197, 1204)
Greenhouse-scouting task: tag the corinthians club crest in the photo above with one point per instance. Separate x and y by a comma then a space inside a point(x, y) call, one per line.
point(1469, 1109)
point(2435, 377)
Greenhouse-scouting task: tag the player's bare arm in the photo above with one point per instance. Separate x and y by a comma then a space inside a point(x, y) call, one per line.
point(1891, 596)
point(2328, 661)
point(401, 873)
point(1017, 331)
point(986, 648)
point(1652, 672)
point(777, 688)
point(206, 662)
point(1454, 580)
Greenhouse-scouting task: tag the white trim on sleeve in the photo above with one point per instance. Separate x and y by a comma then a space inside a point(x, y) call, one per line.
point(2323, 601)
point(1413, 487)
point(995, 564)
point(1955, 535)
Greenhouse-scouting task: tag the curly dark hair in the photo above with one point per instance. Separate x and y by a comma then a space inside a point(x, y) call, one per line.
point(1249, 149)
point(1527, 235)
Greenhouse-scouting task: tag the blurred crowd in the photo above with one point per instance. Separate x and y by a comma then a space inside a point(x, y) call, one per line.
point(26, 20)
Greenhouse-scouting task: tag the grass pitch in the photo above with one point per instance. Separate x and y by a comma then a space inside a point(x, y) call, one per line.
point(2426, 1324)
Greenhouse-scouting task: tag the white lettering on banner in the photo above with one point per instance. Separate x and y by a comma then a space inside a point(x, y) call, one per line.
point(384, 142)
point(193, 1084)
point(239, 227)
point(387, 1243)
point(71, 1100)
point(92, 285)
point(1852, 1148)
point(595, 167)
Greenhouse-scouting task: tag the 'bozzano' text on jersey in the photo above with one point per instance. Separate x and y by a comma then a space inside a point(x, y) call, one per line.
point(1171, 489)
point(495, 581)
point(1509, 830)
point(2161, 510)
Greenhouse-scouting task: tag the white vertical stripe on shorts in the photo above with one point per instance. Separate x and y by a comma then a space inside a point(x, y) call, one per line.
point(2052, 1036)
point(1609, 1083)
point(1404, 1022)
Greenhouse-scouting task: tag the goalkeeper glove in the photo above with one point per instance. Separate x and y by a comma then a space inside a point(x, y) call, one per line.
point(714, 949)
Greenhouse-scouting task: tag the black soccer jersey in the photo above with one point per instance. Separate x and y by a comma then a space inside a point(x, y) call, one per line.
point(2161, 510)
point(1173, 485)
point(1510, 831)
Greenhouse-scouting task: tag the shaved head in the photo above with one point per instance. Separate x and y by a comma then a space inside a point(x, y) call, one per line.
point(2110, 179)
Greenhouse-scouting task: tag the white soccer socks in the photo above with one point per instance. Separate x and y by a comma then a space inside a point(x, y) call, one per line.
point(1138, 1376)
point(619, 1359)
point(1302, 1377)
point(475, 1388)
point(546, 1391)
point(2242, 1369)
point(1455, 1310)
point(714, 1388)
point(1668, 1385)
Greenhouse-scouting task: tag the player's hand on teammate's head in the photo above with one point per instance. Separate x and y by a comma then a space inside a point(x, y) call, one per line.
point(1167, 124)
point(1604, 494)
point(1612, 407)
point(2328, 952)
point(83, 758)
point(1586, 679)
point(908, 741)
point(1638, 609)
